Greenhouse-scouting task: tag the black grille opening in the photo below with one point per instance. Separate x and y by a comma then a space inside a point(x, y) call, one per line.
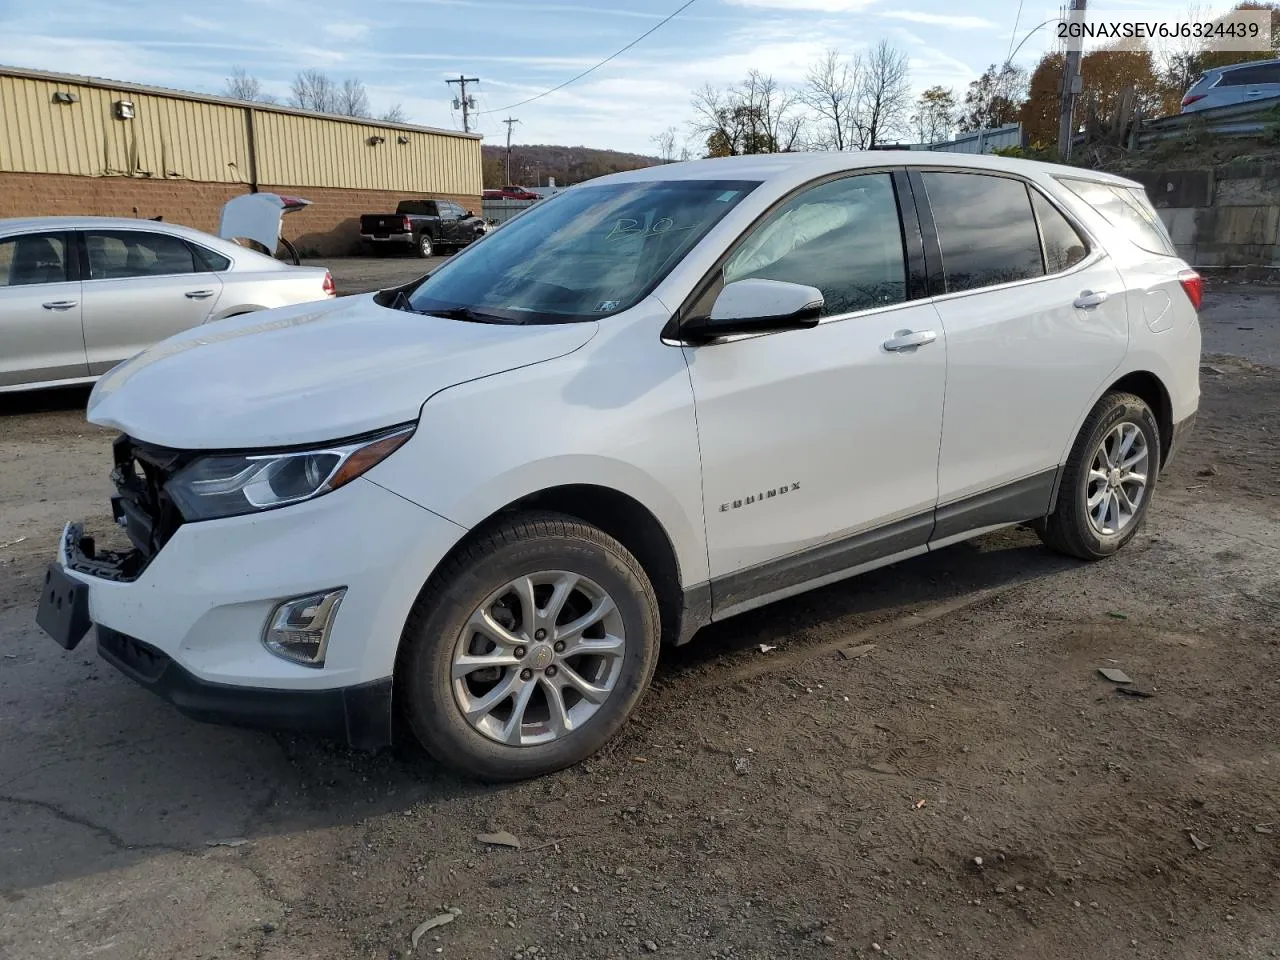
point(141, 504)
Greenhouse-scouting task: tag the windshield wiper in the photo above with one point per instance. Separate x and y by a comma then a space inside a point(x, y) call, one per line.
point(401, 302)
point(467, 314)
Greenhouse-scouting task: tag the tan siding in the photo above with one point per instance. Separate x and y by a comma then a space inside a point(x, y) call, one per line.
point(314, 151)
point(168, 135)
point(181, 138)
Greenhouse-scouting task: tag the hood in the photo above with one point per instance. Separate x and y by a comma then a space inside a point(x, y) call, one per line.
point(309, 373)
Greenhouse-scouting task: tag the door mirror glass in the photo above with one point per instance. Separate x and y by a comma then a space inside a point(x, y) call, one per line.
point(757, 306)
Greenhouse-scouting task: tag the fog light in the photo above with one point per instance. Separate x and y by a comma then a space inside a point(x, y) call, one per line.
point(298, 629)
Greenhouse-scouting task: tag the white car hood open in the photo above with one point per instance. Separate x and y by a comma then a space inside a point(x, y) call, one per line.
point(309, 373)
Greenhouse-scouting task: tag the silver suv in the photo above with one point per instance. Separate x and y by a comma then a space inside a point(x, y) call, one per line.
point(1238, 83)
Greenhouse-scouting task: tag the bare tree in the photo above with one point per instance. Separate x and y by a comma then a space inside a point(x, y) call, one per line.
point(773, 120)
point(831, 88)
point(314, 90)
point(884, 96)
point(394, 114)
point(242, 86)
point(353, 99)
point(666, 144)
point(718, 121)
point(1178, 58)
point(935, 113)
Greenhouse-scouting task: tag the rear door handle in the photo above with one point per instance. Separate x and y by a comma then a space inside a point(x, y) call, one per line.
point(199, 294)
point(909, 340)
point(60, 304)
point(1089, 299)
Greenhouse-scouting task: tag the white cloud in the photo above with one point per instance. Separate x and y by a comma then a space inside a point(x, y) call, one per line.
point(955, 21)
point(346, 31)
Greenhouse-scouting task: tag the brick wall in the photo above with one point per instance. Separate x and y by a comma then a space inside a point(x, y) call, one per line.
point(330, 227)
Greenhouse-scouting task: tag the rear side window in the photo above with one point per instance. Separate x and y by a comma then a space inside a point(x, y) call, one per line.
point(121, 254)
point(1063, 245)
point(417, 208)
point(1246, 76)
point(986, 228)
point(36, 258)
point(1128, 210)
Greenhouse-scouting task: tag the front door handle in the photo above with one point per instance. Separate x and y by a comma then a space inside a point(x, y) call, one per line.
point(199, 294)
point(909, 340)
point(60, 304)
point(1089, 299)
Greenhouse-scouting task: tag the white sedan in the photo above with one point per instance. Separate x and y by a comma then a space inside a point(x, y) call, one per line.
point(79, 295)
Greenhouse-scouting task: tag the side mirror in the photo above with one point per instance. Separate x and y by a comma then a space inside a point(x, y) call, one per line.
point(470, 214)
point(756, 306)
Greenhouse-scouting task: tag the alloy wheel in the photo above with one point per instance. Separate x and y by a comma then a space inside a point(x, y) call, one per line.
point(538, 658)
point(1117, 481)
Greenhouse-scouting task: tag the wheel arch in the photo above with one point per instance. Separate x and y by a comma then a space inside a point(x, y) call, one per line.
point(622, 517)
point(1148, 386)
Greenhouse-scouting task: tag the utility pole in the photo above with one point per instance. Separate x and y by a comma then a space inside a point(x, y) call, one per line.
point(510, 122)
point(462, 100)
point(1071, 84)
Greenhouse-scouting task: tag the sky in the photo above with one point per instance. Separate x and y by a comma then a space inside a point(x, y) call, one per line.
point(403, 50)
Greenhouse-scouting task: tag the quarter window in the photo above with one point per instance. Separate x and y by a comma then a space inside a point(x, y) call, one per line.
point(986, 229)
point(1063, 246)
point(36, 258)
point(209, 260)
point(1128, 210)
point(843, 237)
point(119, 254)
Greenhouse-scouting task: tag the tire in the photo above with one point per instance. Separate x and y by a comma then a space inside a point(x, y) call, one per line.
point(439, 630)
point(1074, 527)
point(424, 248)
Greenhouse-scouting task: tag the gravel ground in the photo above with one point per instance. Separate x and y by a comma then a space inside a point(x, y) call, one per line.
point(967, 786)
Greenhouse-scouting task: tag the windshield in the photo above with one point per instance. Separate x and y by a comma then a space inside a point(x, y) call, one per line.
point(586, 253)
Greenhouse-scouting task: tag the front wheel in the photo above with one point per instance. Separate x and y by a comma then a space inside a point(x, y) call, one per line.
point(1108, 482)
point(424, 247)
point(528, 651)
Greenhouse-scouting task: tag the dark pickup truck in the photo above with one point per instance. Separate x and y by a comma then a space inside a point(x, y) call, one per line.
point(423, 226)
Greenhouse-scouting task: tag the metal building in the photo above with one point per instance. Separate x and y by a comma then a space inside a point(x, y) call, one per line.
point(83, 145)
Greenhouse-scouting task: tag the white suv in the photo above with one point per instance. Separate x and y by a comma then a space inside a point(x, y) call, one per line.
point(482, 502)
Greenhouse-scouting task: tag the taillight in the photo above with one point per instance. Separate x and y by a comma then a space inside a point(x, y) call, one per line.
point(1193, 283)
point(407, 224)
point(330, 290)
point(1191, 98)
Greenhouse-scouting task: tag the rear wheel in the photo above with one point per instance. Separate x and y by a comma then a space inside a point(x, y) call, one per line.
point(1108, 482)
point(424, 247)
point(528, 652)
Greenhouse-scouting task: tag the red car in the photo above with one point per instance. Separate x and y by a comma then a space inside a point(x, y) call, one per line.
point(510, 192)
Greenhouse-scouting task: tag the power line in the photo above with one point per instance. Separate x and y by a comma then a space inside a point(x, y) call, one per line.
point(1013, 35)
point(612, 56)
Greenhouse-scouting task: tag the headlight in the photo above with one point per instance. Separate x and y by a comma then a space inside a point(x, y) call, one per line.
point(227, 485)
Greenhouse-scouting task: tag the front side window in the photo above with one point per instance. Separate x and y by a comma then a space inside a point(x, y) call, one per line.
point(843, 237)
point(122, 254)
point(1128, 210)
point(586, 253)
point(986, 229)
point(35, 258)
point(1063, 245)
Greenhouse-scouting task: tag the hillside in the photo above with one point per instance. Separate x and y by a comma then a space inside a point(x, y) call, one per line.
point(532, 164)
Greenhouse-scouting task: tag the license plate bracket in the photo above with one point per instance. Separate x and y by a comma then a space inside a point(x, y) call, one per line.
point(64, 607)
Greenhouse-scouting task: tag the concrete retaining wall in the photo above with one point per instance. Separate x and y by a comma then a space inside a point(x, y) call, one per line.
point(1229, 216)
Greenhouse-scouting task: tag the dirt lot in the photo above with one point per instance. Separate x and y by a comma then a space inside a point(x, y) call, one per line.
point(976, 727)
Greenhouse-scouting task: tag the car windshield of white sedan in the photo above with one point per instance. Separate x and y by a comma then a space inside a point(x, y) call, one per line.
point(584, 254)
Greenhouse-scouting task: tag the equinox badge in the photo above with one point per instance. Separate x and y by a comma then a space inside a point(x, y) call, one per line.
point(757, 497)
